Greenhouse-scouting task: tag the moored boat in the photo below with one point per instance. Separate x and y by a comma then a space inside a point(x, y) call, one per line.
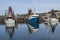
point(33, 18)
point(9, 18)
point(53, 21)
point(33, 21)
point(53, 18)
point(10, 22)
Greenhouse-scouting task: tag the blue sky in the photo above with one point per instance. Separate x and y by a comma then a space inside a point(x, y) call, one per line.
point(22, 6)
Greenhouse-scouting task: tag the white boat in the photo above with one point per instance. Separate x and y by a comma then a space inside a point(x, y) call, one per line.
point(10, 23)
point(9, 18)
point(53, 21)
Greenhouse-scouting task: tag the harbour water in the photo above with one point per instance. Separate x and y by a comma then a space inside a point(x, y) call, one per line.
point(23, 32)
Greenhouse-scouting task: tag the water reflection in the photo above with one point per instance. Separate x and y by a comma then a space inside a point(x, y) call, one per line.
point(53, 27)
point(10, 31)
point(44, 32)
point(32, 27)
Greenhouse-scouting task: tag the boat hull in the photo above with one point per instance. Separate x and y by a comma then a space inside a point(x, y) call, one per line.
point(10, 23)
point(33, 19)
point(53, 21)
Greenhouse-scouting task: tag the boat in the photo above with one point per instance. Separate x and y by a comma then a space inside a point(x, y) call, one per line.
point(53, 18)
point(33, 23)
point(9, 18)
point(33, 18)
point(46, 20)
point(10, 22)
point(53, 21)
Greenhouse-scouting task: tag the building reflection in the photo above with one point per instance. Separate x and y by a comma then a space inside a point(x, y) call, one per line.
point(33, 27)
point(10, 31)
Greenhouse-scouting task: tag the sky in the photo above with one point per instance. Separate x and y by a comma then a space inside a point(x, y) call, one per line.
point(22, 6)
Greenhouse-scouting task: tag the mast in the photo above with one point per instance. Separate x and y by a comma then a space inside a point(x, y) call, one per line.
point(34, 12)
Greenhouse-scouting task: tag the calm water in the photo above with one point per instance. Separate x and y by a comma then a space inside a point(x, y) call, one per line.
point(24, 32)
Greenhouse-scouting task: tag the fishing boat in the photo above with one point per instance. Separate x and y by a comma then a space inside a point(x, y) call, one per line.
point(33, 18)
point(9, 18)
point(33, 22)
point(53, 18)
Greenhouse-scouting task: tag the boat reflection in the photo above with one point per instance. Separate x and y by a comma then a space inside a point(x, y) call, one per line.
point(52, 27)
point(10, 31)
point(33, 27)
